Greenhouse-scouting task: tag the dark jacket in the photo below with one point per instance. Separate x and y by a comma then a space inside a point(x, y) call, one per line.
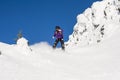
point(58, 34)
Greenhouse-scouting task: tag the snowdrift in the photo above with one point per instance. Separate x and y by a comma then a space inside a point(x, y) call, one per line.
point(96, 23)
point(41, 62)
point(99, 61)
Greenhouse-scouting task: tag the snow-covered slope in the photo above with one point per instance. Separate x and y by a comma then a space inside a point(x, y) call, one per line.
point(96, 23)
point(40, 62)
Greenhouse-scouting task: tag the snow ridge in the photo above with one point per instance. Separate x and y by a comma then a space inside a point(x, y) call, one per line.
point(96, 23)
point(100, 62)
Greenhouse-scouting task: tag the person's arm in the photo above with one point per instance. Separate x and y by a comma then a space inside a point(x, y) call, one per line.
point(54, 35)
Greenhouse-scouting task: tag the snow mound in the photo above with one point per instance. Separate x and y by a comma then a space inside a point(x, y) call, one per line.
point(96, 23)
point(22, 42)
point(40, 62)
point(99, 62)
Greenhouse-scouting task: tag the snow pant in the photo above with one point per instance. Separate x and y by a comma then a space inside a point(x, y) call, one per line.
point(61, 41)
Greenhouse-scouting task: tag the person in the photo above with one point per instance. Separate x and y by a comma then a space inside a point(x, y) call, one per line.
point(58, 34)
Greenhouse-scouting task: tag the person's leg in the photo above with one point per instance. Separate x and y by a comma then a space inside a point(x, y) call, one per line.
point(55, 43)
point(62, 44)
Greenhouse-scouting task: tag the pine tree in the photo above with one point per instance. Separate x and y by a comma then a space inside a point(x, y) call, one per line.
point(19, 35)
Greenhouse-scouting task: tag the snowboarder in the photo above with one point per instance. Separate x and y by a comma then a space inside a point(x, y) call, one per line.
point(58, 34)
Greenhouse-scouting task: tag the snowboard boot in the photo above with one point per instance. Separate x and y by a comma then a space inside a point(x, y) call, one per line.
point(54, 46)
point(63, 47)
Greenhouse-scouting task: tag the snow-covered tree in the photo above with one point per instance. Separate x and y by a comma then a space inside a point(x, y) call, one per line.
point(96, 23)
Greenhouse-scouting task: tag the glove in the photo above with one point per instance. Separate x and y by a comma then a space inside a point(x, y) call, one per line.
point(53, 37)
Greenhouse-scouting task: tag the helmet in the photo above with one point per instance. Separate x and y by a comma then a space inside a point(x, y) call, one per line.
point(57, 27)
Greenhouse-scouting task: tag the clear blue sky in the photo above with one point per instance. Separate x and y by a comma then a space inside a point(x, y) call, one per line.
point(38, 18)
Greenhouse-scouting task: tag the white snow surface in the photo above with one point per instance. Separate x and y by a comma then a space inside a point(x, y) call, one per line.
point(96, 23)
point(40, 62)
